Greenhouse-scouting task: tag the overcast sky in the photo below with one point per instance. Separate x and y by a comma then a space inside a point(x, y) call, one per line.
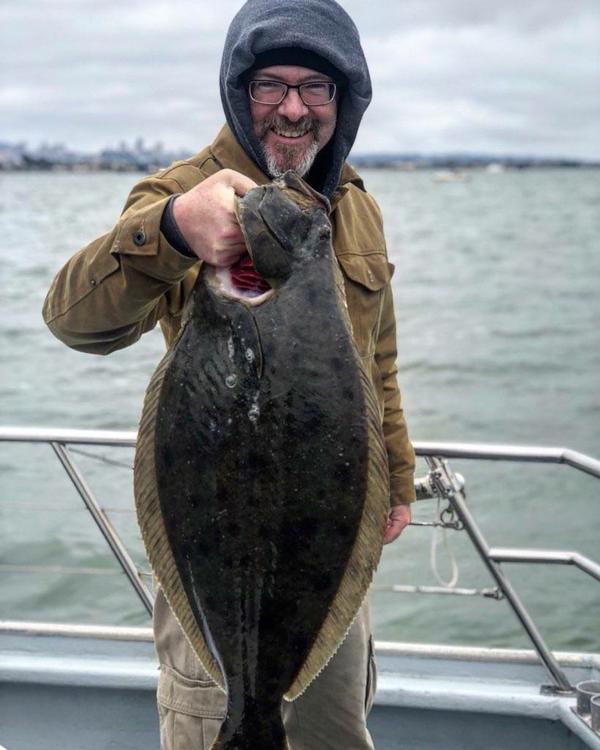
point(500, 76)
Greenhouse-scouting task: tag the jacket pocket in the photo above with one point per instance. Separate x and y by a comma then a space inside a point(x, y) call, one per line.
point(365, 276)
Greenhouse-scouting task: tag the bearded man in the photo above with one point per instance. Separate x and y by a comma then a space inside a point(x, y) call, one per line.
point(294, 86)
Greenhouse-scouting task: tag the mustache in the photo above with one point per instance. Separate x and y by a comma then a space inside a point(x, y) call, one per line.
point(308, 123)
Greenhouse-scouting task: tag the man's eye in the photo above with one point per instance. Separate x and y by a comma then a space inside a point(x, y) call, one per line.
point(317, 88)
point(266, 87)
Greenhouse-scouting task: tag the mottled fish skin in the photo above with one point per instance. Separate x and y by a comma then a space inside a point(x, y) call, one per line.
point(256, 502)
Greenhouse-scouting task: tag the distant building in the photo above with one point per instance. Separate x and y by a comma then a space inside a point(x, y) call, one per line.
point(12, 155)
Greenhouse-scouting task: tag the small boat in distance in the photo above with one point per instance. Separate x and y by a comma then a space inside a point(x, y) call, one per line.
point(450, 175)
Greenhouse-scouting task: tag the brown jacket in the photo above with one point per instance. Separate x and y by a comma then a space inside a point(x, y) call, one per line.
point(120, 285)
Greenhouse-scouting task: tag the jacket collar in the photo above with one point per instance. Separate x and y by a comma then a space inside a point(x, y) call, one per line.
point(228, 153)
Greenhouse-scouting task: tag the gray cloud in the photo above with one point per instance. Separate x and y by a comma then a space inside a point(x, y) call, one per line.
point(448, 74)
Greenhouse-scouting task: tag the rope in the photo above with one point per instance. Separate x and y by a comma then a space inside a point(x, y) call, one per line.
point(102, 459)
point(442, 535)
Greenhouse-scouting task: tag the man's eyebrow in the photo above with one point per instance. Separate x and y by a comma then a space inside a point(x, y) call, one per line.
point(305, 79)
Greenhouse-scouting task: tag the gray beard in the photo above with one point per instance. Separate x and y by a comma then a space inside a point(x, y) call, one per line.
point(275, 169)
point(287, 156)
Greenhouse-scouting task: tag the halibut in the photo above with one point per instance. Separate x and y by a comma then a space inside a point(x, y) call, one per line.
point(261, 474)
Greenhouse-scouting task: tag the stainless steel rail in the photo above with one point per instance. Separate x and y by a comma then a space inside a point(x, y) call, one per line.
point(59, 440)
point(556, 557)
point(490, 452)
point(480, 451)
point(443, 590)
point(441, 482)
point(67, 436)
point(103, 523)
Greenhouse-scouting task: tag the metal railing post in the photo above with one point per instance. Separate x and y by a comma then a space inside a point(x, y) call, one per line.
point(447, 487)
point(105, 526)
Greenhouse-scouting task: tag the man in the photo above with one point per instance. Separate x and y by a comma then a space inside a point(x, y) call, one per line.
point(294, 86)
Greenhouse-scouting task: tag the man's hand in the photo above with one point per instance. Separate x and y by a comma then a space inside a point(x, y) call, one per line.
point(206, 217)
point(399, 517)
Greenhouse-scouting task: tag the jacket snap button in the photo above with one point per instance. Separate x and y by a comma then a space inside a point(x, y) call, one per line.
point(93, 282)
point(139, 237)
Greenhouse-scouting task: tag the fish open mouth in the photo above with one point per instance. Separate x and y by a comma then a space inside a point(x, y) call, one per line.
point(240, 281)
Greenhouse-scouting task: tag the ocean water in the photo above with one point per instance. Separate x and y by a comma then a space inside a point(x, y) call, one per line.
point(498, 311)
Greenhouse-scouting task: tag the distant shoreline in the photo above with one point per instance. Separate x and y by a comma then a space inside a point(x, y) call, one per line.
point(441, 166)
point(139, 157)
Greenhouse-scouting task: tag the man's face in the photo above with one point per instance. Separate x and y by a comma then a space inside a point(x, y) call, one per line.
point(291, 133)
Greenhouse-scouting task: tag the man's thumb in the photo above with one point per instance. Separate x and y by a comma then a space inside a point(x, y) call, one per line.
point(239, 182)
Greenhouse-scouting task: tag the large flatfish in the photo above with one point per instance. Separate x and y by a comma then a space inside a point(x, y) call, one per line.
point(261, 475)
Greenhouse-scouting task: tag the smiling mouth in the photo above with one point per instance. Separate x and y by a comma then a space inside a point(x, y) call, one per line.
point(291, 132)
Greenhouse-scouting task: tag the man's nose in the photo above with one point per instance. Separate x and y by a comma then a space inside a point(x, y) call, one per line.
point(292, 106)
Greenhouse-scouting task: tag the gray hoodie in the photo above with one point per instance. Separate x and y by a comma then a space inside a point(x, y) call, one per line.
point(319, 26)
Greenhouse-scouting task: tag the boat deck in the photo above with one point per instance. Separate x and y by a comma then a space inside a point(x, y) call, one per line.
point(92, 688)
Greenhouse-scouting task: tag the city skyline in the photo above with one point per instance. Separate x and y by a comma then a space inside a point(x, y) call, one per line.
point(160, 154)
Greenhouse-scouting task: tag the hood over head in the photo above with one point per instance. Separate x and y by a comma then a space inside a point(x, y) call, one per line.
point(324, 30)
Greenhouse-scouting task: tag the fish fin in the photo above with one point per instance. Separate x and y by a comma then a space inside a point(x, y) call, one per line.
point(153, 529)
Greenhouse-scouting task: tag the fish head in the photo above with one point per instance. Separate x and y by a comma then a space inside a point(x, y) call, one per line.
point(285, 224)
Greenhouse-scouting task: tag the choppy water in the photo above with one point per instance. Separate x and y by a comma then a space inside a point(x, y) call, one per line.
point(496, 290)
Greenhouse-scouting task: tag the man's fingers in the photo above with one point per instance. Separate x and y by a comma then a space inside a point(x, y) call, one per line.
point(392, 531)
point(227, 257)
point(232, 238)
point(239, 182)
point(207, 220)
point(398, 518)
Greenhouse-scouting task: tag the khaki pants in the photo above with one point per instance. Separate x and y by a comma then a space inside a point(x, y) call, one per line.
point(330, 715)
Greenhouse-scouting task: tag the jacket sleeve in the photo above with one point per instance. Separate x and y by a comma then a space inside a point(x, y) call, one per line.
point(401, 456)
point(118, 287)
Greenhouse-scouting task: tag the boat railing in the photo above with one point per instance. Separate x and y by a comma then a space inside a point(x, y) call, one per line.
point(441, 482)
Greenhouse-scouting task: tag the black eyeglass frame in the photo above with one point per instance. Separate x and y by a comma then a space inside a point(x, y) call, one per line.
point(288, 86)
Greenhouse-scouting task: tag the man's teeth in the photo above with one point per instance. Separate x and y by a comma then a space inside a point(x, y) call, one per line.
point(289, 133)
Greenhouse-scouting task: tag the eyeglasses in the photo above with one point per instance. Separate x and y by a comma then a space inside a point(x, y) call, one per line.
point(313, 93)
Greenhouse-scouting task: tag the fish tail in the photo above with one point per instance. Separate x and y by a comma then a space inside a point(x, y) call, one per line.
point(254, 732)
